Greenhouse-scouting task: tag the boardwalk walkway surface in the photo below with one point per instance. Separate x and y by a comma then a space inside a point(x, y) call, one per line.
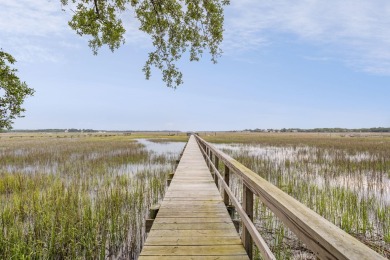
point(193, 222)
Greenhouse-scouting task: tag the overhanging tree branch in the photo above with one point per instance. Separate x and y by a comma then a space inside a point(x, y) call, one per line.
point(175, 27)
point(96, 7)
point(12, 92)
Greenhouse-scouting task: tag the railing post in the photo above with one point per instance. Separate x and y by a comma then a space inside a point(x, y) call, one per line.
point(206, 155)
point(211, 160)
point(247, 205)
point(216, 164)
point(227, 180)
point(208, 152)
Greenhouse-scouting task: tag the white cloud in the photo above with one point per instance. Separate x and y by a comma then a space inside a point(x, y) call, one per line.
point(32, 30)
point(34, 18)
point(38, 31)
point(356, 31)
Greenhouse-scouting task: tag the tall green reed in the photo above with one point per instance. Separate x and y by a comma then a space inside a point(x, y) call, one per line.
point(70, 198)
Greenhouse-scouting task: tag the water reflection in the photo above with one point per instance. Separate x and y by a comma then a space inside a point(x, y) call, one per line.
point(133, 168)
point(351, 189)
point(160, 148)
point(322, 167)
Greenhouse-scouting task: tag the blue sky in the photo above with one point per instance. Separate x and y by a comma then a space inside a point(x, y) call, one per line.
point(308, 64)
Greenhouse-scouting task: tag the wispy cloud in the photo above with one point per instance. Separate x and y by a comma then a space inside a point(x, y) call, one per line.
point(34, 18)
point(38, 31)
point(355, 31)
point(32, 30)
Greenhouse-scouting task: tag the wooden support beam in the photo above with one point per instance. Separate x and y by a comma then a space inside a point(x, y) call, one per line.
point(231, 209)
point(237, 223)
point(177, 163)
point(170, 175)
point(153, 211)
point(169, 178)
point(152, 215)
point(148, 224)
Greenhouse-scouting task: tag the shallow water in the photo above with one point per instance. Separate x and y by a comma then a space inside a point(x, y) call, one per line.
point(352, 190)
point(160, 148)
point(311, 164)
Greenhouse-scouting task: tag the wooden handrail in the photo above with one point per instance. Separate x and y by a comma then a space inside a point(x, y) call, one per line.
point(259, 241)
point(322, 237)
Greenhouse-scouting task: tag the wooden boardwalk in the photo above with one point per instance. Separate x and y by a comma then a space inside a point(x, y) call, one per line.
point(193, 222)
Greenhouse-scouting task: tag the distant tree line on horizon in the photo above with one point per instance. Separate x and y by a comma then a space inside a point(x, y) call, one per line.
point(55, 130)
point(325, 130)
point(74, 130)
point(283, 130)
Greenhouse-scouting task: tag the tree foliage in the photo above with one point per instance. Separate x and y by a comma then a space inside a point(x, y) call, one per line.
point(175, 27)
point(12, 92)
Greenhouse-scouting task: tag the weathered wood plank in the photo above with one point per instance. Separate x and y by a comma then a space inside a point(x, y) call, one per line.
point(204, 208)
point(193, 233)
point(195, 204)
point(214, 198)
point(173, 211)
point(198, 203)
point(179, 250)
point(173, 220)
point(205, 194)
point(192, 214)
point(192, 226)
point(215, 257)
point(193, 241)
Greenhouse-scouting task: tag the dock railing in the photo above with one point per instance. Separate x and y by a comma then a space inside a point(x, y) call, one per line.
point(323, 238)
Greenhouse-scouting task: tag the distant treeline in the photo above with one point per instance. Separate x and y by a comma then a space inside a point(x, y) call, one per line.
point(74, 130)
point(325, 130)
point(314, 130)
point(71, 130)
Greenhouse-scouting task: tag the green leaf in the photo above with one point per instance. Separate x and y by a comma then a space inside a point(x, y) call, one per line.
point(174, 26)
point(12, 92)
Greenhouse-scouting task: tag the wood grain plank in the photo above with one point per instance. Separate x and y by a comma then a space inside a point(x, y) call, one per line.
point(193, 241)
point(215, 257)
point(179, 250)
point(192, 226)
point(173, 220)
point(193, 233)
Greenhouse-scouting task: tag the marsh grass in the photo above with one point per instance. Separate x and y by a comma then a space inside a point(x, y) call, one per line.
point(70, 197)
point(345, 180)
